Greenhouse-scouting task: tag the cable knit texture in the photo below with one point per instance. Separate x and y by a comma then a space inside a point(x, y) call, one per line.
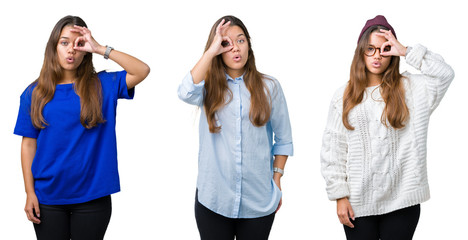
point(383, 169)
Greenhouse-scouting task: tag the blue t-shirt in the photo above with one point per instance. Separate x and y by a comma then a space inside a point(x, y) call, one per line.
point(74, 164)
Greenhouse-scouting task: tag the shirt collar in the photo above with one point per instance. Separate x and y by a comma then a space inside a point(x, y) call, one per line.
point(229, 78)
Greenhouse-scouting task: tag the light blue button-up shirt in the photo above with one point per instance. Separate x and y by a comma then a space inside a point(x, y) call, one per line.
point(235, 166)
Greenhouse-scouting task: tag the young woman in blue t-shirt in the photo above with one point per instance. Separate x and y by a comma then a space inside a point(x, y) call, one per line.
point(239, 164)
point(67, 120)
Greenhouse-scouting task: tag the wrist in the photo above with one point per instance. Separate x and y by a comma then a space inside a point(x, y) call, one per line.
point(404, 51)
point(30, 192)
point(101, 50)
point(407, 50)
point(277, 170)
point(342, 199)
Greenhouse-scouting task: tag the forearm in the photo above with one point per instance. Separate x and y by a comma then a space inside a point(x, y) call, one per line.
point(201, 68)
point(430, 64)
point(279, 162)
point(439, 74)
point(136, 69)
point(333, 159)
point(28, 150)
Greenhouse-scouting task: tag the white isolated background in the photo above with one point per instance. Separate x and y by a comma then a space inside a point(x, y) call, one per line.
point(307, 45)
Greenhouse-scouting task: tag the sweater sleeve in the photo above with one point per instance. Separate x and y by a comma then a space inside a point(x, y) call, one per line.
point(334, 153)
point(438, 74)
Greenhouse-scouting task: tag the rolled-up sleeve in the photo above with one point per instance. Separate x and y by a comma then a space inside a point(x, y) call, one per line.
point(334, 155)
point(280, 122)
point(191, 93)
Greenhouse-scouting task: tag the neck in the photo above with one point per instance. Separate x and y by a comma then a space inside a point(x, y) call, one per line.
point(68, 77)
point(373, 79)
point(234, 73)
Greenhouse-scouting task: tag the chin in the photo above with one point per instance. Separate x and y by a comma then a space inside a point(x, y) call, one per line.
point(236, 68)
point(68, 68)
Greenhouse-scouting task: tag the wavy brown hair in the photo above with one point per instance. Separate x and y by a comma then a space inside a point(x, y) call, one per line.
point(391, 87)
point(217, 93)
point(87, 85)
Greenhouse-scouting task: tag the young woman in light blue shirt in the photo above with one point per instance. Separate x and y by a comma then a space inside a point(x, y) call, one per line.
point(245, 137)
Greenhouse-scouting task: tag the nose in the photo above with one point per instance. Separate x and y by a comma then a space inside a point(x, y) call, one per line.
point(377, 53)
point(235, 47)
point(71, 49)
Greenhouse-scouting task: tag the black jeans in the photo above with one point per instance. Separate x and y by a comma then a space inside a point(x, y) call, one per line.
point(397, 225)
point(82, 221)
point(213, 226)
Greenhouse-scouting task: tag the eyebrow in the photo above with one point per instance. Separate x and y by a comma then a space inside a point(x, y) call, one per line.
point(240, 35)
point(372, 45)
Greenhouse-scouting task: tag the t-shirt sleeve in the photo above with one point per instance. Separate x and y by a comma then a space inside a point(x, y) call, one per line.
point(24, 126)
point(118, 82)
point(123, 91)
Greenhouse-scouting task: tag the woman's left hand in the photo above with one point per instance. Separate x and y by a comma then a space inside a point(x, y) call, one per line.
point(277, 180)
point(137, 70)
point(86, 42)
point(396, 48)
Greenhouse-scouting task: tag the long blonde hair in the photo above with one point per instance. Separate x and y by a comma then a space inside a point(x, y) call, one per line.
point(217, 92)
point(392, 89)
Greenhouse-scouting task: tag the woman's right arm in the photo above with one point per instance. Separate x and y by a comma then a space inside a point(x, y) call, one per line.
point(199, 71)
point(28, 150)
point(333, 160)
point(191, 88)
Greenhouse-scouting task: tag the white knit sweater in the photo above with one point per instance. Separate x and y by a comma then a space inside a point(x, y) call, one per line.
point(382, 169)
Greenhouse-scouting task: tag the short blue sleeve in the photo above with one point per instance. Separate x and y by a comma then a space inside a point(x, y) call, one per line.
point(24, 126)
point(118, 82)
point(73, 164)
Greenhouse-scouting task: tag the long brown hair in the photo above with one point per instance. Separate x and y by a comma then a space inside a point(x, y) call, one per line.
point(391, 88)
point(217, 93)
point(87, 84)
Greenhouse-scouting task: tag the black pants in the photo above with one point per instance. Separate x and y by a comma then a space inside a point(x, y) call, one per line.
point(397, 225)
point(213, 226)
point(83, 221)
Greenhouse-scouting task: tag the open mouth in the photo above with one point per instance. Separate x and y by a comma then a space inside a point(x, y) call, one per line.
point(376, 64)
point(237, 58)
point(70, 60)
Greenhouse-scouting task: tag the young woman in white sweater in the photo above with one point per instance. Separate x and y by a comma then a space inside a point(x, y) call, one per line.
point(374, 146)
